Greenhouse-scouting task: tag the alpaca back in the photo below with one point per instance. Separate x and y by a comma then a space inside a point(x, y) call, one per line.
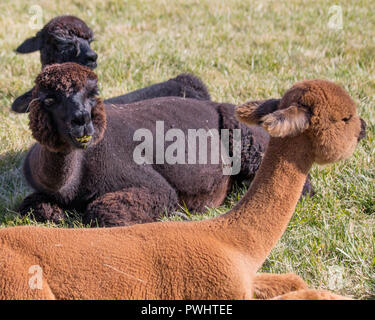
point(171, 113)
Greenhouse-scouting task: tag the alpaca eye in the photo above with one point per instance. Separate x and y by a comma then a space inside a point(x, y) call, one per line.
point(49, 102)
point(346, 119)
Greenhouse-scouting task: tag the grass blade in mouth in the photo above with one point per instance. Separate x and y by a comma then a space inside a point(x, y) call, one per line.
point(84, 139)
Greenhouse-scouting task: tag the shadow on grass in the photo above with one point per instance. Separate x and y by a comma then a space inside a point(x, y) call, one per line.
point(13, 187)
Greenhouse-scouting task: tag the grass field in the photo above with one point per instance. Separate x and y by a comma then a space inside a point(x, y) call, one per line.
point(242, 50)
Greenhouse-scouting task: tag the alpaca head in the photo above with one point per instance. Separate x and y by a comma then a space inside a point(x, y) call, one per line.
point(65, 111)
point(63, 39)
point(319, 109)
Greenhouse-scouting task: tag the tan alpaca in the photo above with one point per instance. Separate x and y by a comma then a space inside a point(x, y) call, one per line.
point(211, 259)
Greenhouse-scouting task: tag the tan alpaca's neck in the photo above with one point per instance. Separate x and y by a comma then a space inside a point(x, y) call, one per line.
point(258, 221)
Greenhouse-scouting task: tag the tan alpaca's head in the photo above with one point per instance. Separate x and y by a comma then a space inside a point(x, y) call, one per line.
point(319, 109)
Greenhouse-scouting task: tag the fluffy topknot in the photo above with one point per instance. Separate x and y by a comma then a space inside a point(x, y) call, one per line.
point(67, 77)
point(316, 95)
point(321, 109)
point(68, 26)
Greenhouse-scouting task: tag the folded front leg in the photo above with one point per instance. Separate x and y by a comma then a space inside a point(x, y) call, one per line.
point(267, 285)
point(42, 207)
point(130, 206)
point(310, 294)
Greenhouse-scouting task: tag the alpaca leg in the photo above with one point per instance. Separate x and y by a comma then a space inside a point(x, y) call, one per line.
point(310, 294)
point(130, 206)
point(42, 207)
point(267, 285)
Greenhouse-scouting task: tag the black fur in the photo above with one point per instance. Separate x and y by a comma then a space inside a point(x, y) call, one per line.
point(184, 85)
point(68, 38)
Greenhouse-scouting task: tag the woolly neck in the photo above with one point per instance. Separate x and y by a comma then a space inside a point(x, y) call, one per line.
point(260, 218)
point(53, 171)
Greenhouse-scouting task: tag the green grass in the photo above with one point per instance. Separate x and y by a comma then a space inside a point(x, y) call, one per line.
point(243, 50)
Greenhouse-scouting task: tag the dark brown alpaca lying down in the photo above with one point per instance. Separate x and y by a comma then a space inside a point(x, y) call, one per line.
point(84, 158)
point(68, 39)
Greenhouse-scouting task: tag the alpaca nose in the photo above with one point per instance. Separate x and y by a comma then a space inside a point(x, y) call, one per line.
point(81, 118)
point(362, 134)
point(91, 56)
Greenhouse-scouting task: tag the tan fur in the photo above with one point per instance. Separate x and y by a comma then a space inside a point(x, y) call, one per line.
point(252, 112)
point(290, 121)
point(211, 259)
point(311, 295)
point(246, 112)
point(267, 285)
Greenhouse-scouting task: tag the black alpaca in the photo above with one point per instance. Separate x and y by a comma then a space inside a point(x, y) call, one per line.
point(68, 39)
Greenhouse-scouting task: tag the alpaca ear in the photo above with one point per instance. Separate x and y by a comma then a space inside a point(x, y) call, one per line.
point(286, 122)
point(21, 104)
point(252, 112)
point(30, 45)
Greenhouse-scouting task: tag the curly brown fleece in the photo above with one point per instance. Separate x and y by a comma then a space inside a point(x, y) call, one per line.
point(65, 80)
point(68, 26)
